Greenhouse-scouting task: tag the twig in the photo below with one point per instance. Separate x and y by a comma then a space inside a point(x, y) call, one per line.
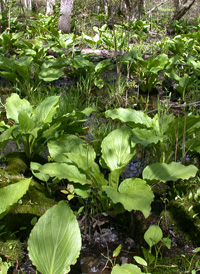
point(154, 8)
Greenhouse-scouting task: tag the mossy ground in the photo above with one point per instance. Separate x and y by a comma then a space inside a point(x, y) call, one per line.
point(11, 249)
point(176, 264)
point(17, 163)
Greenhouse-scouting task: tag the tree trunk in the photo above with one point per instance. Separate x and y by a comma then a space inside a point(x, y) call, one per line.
point(106, 7)
point(135, 9)
point(181, 7)
point(66, 7)
point(28, 4)
point(49, 6)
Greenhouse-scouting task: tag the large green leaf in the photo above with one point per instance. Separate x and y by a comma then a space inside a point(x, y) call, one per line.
point(35, 168)
point(153, 235)
point(55, 241)
point(168, 172)
point(46, 110)
point(126, 269)
point(114, 178)
point(90, 168)
point(14, 105)
point(10, 194)
point(118, 148)
point(69, 143)
point(50, 74)
point(26, 123)
point(7, 134)
point(192, 144)
point(24, 61)
point(105, 64)
point(11, 76)
point(7, 64)
point(22, 67)
point(133, 194)
point(57, 63)
point(161, 123)
point(145, 136)
point(63, 171)
point(129, 116)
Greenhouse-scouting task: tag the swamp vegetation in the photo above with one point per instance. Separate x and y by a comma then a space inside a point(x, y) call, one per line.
point(99, 138)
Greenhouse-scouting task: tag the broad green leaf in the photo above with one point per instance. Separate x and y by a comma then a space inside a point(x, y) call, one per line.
point(14, 105)
point(102, 65)
point(35, 168)
point(118, 149)
point(3, 126)
point(168, 172)
point(145, 136)
point(63, 171)
point(173, 75)
point(80, 62)
point(55, 241)
point(26, 123)
point(59, 50)
point(7, 64)
point(160, 124)
point(133, 194)
point(88, 39)
point(99, 82)
point(184, 81)
point(197, 249)
point(126, 269)
point(149, 257)
point(163, 60)
point(23, 66)
point(140, 260)
point(62, 145)
point(82, 190)
point(69, 143)
point(30, 52)
point(114, 178)
point(129, 115)
point(154, 65)
point(89, 168)
point(134, 54)
point(57, 63)
point(7, 134)
point(192, 144)
point(167, 242)
point(153, 235)
point(87, 111)
point(66, 40)
point(11, 76)
point(10, 194)
point(46, 110)
point(50, 74)
point(16, 36)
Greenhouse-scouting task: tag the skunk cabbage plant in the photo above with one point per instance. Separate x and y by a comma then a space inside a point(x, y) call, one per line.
point(55, 241)
point(33, 127)
point(117, 151)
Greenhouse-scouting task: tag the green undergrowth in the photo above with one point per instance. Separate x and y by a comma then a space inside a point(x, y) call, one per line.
point(176, 264)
